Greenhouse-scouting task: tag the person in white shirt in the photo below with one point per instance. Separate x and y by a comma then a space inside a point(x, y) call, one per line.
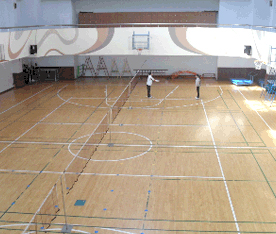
point(197, 84)
point(149, 83)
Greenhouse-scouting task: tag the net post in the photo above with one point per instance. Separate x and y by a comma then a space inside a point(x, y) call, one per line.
point(129, 92)
point(66, 228)
point(109, 127)
point(258, 64)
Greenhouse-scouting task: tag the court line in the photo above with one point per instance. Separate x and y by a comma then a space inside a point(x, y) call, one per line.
point(27, 132)
point(32, 126)
point(144, 125)
point(31, 222)
point(257, 112)
point(98, 160)
point(26, 99)
point(59, 229)
point(152, 106)
point(247, 118)
point(221, 169)
point(115, 229)
point(143, 145)
point(64, 171)
point(135, 219)
point(78, 104)
point(82, 173)
point(159, 99)
point(105, 174)
point(171, 107)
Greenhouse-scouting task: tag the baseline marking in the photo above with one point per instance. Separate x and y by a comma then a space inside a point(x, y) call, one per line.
point(26, 99)
point(221, 169)
point(105, 174)
point(32, 126)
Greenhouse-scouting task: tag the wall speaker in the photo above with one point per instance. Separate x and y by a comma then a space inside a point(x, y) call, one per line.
point(33, 49)
point(247, 50)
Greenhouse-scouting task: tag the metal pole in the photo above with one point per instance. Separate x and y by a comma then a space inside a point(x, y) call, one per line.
point(66, 228)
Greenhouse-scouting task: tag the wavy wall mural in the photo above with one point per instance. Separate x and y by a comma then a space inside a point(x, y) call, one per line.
point(164, 41)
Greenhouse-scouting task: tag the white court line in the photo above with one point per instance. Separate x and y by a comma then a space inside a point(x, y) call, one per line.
point(30, 223)
point(26, 99)
point(162, 100)
point(171, 107)
point(122, 159)
point(32, 126)
point(117, 230)
point(140, 145)
point(257, 112)
point(78, 104)
point(90, 135)
point(106, 174)
point(221, 169)
point(152, 106)
point(146, 107)
point(59, 229)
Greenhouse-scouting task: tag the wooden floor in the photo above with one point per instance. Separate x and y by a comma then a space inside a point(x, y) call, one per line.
point(170, 164)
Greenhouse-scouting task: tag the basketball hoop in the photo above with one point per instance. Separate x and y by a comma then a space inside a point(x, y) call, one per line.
point(258, 64)
point(139, 50)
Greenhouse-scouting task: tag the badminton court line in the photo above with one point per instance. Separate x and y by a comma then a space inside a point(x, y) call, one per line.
point(106, 174)
point(60, 229)
point(143, 145)
point(33, 125)
point(171, 107)
point(257, 112)
point(25, 99)
point(221, 169)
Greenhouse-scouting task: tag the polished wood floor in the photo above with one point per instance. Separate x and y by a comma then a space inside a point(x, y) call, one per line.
point(170, 164)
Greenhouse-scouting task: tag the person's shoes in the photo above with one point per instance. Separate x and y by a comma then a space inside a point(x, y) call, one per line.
point(150, 97)
point(196, 98)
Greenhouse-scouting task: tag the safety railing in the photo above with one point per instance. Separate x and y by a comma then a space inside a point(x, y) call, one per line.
point(119, 25)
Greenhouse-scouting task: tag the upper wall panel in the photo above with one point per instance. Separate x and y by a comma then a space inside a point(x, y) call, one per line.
point(97, 6)
point(148, 17)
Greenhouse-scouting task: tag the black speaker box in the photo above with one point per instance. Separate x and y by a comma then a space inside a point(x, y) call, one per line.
point(247, 50)
point(33, 49)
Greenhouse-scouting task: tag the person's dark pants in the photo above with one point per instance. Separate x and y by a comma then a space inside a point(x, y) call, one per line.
point(148, 88)
point(197, 90)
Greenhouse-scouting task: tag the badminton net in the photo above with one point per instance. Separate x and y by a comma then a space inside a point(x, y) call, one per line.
point(83, 154)
point(122, 99)
point(47, 212)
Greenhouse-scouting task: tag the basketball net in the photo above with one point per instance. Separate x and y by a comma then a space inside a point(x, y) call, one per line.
point(258, 64)
point(139, 50)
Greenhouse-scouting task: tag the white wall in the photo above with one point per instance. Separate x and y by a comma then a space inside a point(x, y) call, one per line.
point(56, 12)
point(8, 14)
point(262, 13)
point(235, 62)
point(27, 12)
point(54, 61)
point(6, 77)
point(272, 19)
point(144, 5)
point(236, 12)
point(35, 12)
point(252, 12)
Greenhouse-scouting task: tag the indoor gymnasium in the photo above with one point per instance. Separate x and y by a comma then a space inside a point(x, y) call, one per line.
point(137, 117)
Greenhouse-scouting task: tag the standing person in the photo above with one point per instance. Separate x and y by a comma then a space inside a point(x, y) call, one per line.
point(197, 84)
point(149, 83)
